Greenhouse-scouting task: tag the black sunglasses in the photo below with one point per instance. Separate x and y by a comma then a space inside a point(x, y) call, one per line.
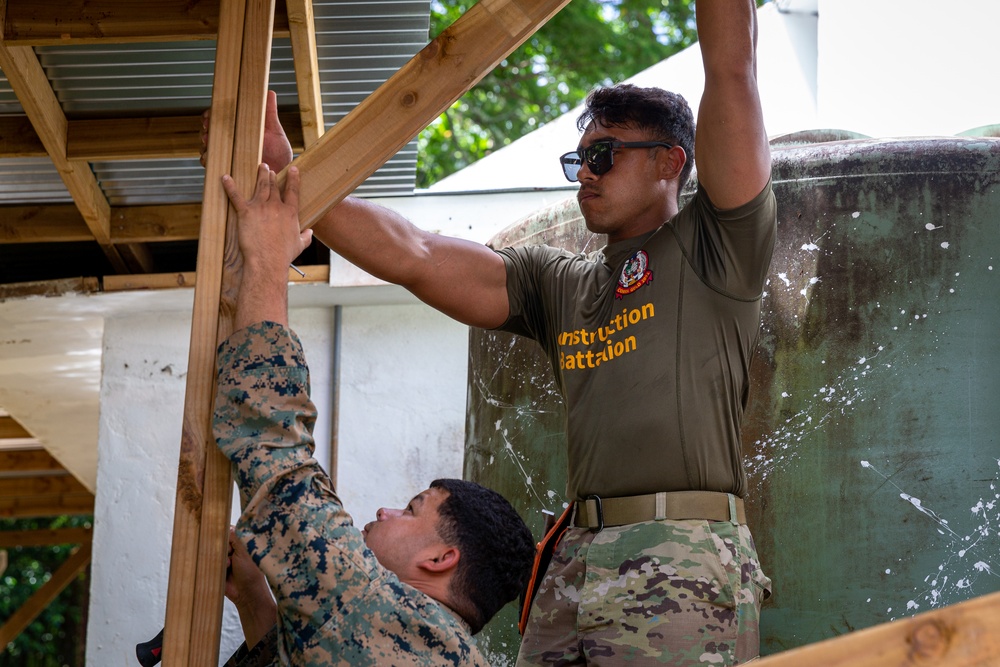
point(599, 156)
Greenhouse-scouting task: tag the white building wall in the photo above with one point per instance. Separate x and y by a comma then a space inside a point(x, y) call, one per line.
point(402, 405)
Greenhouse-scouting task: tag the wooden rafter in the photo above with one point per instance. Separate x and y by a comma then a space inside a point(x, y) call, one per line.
point(52, 484)
point(44, 537)
point(313, 274)
point(23, 507)
point(24, 459)
point(302, 27)
point(147, 138)
point(412, 98)
point(28, 80)
point(141, 138)
point(19, 139)
point(60, 22)
point(50, 223)
point(11, 428)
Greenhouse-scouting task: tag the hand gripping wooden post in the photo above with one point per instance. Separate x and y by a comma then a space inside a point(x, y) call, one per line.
point(204, 478)
point(344, 157)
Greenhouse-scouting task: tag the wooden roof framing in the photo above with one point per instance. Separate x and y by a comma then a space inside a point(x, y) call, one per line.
point(73, 144)
point(32, 483)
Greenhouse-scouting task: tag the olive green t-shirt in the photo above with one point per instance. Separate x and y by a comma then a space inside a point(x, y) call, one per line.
point(651, 340)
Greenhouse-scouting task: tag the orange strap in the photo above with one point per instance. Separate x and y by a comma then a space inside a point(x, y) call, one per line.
point(543, 554)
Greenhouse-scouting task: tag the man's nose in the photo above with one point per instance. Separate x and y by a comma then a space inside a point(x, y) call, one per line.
point(584, 173)
point(387, 513)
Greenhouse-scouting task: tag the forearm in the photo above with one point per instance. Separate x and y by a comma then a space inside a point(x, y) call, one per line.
point(727, 35)
point(733, 156)
point(263, 416)
point(375, 238)
point(461, 278)
point(262, 297)
point(257, 619)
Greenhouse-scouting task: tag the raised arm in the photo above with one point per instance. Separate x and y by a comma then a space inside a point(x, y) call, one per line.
point(731, 149)
point(462, 279)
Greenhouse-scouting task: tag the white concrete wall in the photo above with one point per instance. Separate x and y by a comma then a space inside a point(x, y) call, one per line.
point(402, 405)
point(402, 422)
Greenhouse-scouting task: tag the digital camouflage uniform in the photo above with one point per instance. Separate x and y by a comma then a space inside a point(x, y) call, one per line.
point(263, 654)
point(336, 604)
point(650, 340)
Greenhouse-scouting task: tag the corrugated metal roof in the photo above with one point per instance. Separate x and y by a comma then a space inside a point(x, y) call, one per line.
point(359, 46)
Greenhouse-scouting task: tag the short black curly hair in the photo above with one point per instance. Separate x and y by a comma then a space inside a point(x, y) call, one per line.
point(497, 549)
point(664, 115)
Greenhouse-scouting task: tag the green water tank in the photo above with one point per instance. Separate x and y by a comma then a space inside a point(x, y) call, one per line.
point(872, 437)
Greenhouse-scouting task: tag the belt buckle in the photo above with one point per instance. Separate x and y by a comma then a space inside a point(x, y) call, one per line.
point(600, 512)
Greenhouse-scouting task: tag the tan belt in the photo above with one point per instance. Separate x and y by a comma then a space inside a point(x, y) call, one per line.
point(597, 513)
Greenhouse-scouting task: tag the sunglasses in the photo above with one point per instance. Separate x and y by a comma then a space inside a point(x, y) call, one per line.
point(599, 156)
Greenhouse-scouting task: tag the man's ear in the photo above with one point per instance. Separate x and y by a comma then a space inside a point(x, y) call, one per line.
point(671, 162)
point(442, 561)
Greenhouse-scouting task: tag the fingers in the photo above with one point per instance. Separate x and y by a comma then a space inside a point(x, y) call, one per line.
point(271, 110)
point(235, 198)
point(291, 192)
point(206, 118)
point(266, 183)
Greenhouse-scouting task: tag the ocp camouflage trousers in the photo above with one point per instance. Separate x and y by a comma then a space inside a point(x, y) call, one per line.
point(654, 593)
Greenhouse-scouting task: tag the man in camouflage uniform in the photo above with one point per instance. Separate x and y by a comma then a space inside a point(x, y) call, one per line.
point(413, 586)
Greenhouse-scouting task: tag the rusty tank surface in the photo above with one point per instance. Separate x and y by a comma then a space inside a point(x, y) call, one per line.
point(872, 437)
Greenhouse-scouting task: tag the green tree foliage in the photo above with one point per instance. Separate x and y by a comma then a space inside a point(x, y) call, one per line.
point(56, 637)
point(588, 43)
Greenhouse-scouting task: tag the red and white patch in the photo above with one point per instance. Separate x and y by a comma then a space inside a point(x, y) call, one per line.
point(635, 274)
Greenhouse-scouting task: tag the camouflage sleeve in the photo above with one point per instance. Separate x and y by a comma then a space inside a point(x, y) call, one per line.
point(263, 654)
point(263, 416)
point(293, 524)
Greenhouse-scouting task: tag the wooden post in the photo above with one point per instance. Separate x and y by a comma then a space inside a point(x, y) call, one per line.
point(204, 480)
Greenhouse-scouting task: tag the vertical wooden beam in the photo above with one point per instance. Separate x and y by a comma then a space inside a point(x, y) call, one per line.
point(204, 484)
point(302, 28)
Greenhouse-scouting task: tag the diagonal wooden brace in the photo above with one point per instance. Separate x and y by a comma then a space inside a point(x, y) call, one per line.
point(412, 98)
